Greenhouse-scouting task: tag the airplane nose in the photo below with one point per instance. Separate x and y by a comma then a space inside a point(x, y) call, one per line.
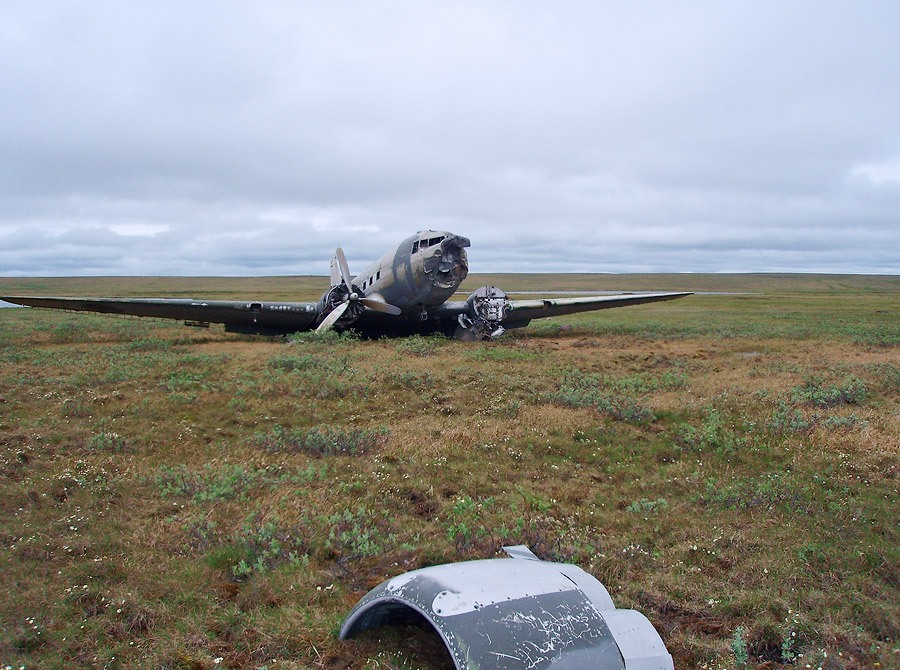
point(451, 253)
point(457, 240)
point(447, 264)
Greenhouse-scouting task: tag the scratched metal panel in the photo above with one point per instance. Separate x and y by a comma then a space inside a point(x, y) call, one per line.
point(497, 615)
point(554, 630)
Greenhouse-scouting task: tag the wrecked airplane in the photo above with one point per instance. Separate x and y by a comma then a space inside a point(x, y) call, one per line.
point(406, 291)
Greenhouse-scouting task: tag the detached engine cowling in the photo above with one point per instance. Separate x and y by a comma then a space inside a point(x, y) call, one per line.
point(486, 309)
point(514, 613)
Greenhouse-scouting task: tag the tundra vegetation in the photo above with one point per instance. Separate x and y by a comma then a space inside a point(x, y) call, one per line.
point(183, 498)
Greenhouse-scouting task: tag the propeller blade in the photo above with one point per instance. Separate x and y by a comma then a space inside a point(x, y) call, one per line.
point(379, 306)
point(330, 320)
point(345, 269)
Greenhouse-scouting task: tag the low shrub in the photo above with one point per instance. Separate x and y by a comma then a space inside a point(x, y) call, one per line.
point(322, 441)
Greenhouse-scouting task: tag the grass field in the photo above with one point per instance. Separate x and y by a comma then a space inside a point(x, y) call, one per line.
point(179, 498)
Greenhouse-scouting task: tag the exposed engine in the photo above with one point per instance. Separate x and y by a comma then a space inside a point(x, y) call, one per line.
point(487, 308)
point(335, 298)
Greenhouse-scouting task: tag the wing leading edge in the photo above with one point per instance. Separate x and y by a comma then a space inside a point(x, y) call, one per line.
point(488, 312)
point(238, 316)
point(526, 310)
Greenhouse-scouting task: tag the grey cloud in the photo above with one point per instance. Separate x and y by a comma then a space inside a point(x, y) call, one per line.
point(253, 139)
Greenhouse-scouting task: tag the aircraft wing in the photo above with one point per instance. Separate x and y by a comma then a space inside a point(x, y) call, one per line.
point(488, 312)
point(526, 310)
point(238, 316)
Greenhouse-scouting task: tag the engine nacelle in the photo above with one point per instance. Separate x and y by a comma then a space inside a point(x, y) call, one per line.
point(334, 297)
point(486, 309)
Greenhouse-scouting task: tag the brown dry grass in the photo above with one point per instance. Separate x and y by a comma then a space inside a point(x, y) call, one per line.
point(136, 501)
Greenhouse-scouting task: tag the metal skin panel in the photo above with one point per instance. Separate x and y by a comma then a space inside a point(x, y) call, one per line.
point(514, 614)
point(640, 650)
point(547, 630)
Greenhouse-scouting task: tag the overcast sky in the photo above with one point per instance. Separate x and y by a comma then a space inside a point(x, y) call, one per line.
point(239, 138)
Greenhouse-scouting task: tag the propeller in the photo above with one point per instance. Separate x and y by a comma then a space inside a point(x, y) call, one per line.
point(333, 316)
point(353, 297)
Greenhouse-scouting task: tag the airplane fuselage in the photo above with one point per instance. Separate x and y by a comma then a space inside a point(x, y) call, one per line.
point(424, 271)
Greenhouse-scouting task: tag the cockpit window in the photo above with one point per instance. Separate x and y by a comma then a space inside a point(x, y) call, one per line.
point(422, 245)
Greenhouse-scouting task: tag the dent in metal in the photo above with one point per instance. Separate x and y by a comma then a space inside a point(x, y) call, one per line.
point(520, 613)
point(446, 262)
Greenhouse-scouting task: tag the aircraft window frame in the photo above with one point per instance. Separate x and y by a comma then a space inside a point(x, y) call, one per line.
point(415, 246)
point(378, 275)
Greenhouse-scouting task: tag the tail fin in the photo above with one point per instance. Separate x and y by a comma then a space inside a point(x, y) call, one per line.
point(336, 271)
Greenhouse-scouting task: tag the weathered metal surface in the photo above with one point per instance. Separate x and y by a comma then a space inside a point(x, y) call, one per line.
point(345, 301)
point(516, 614)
